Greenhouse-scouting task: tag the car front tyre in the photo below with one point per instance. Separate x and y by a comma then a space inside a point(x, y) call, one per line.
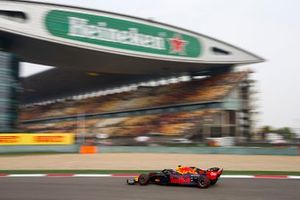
point(143, 179)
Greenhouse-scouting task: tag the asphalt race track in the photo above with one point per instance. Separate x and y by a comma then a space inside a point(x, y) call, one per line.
point(112, 188)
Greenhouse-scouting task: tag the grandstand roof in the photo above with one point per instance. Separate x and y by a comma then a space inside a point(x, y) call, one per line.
point(79, 41)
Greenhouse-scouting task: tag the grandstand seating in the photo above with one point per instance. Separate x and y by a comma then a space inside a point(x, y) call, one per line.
point(169, 124)
point(207, 89)
point(175, 123)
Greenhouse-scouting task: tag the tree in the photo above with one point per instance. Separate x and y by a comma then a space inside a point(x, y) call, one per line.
point(285, 132)
point(264, 130)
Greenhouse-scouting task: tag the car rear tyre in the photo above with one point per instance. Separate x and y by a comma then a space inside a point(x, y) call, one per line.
point(212, 182)
point(143, 179)
point(203, 182)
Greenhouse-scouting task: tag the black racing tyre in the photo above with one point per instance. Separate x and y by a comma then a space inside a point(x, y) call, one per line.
point(212, 182)
point(143, 179)
point(203, 182)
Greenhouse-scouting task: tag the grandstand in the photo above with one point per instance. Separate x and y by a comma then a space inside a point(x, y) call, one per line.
point(196, 91)
point(209, 107)
point(123, 76)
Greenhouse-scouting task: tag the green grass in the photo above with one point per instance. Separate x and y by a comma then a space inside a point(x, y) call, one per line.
point(141, 171)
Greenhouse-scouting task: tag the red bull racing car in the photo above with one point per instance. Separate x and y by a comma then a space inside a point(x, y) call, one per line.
point(181, 176)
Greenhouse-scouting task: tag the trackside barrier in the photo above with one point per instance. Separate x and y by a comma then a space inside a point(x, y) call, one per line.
point(16, 139)
point(74, 148)
point(38, 143)
point(288, 151)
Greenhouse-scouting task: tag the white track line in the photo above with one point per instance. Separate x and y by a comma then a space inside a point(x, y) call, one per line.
point(237, 176)
point(118, 176)
point(92, 175)
point(26, 175)
point(294, 177)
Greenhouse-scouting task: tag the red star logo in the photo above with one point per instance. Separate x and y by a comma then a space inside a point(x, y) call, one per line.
point(177, 44)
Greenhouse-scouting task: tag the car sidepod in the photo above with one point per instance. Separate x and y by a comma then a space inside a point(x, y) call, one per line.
point(184, 179)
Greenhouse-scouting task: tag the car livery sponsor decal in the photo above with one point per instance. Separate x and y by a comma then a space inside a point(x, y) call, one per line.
point(180, 179)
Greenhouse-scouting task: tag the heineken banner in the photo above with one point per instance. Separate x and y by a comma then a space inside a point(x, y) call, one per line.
point(121, 34)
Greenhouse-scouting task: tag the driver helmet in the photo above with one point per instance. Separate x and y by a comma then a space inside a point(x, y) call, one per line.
point(178, 167)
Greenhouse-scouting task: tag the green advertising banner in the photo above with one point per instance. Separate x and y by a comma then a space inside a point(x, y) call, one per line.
point(121, 34)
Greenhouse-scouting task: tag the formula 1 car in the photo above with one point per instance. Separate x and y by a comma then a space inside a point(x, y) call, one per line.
point(200, 178)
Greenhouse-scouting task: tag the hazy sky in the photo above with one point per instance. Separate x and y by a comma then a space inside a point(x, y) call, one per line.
point(268, 28)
